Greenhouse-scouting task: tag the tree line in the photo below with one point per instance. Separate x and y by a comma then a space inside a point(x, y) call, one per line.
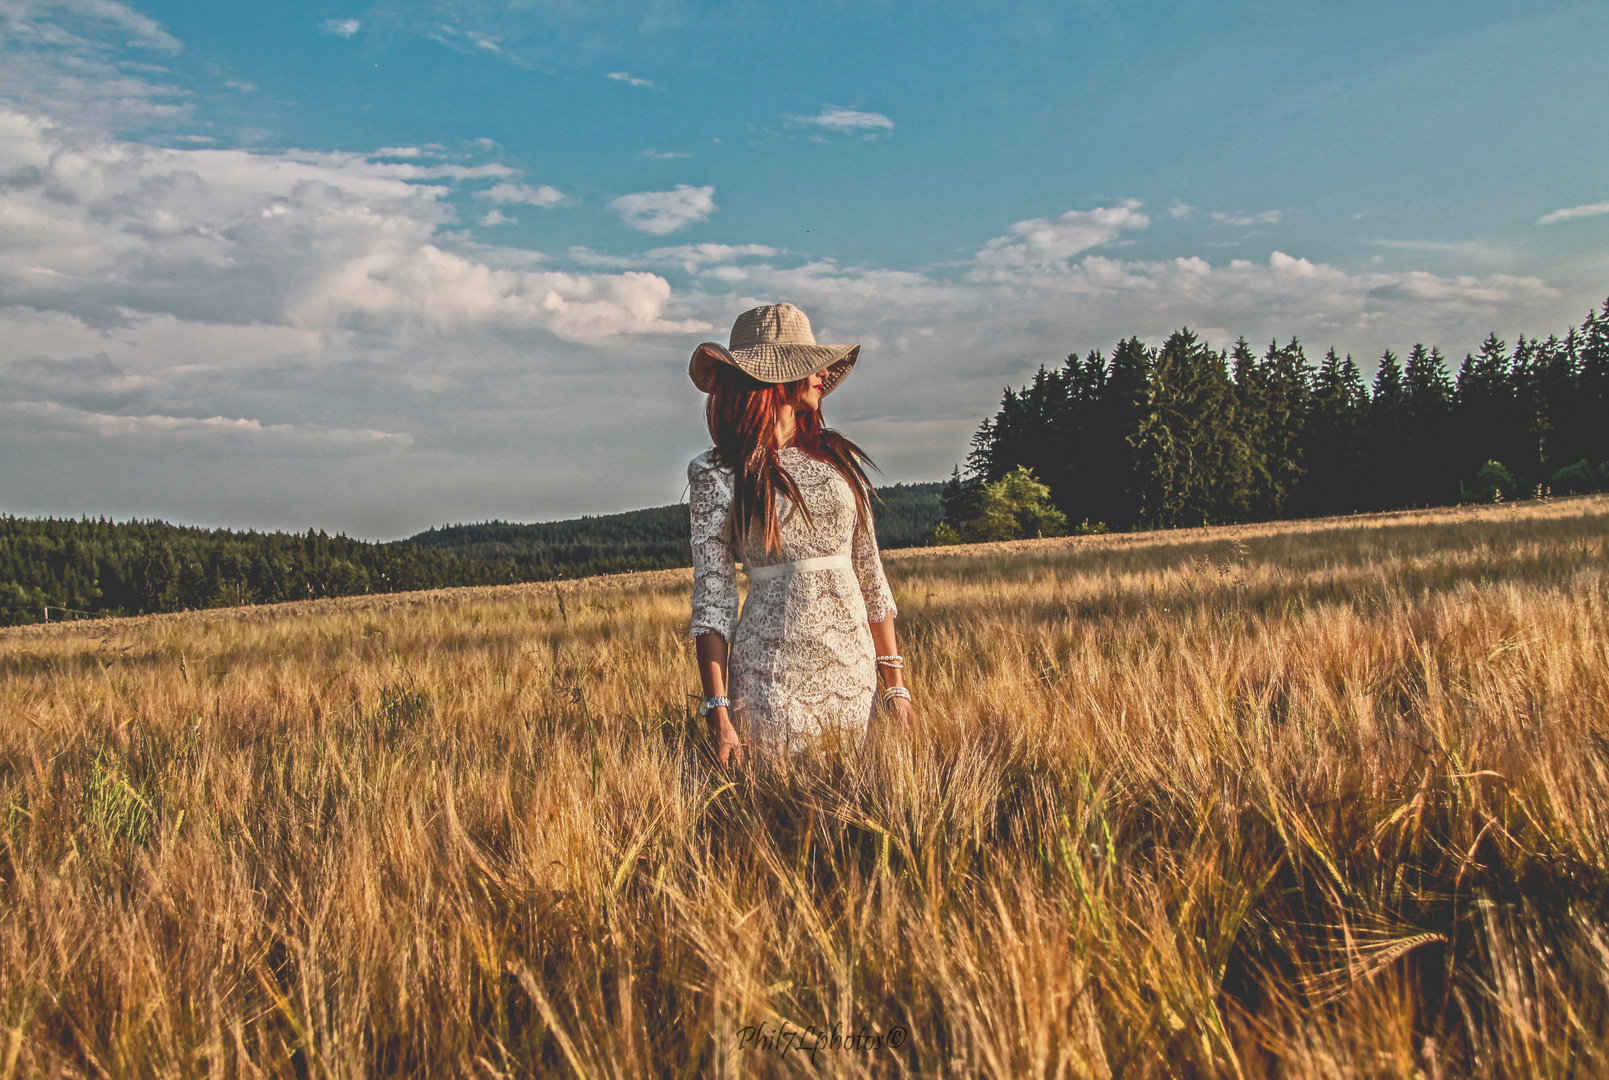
point(100, 567)
point(65, 569)
point(1183, 434)
point(655, 538)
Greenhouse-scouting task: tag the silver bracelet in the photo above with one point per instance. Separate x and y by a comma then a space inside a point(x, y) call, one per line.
point(710, 704)
point(893, 692)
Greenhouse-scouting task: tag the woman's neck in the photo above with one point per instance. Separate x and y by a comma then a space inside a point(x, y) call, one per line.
point(787, 427)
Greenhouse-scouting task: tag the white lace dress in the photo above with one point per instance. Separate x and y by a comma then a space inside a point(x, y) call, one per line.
point(802, 661)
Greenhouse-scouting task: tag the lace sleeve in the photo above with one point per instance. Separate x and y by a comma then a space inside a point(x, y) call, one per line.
point(869, 570)
point(714, 568)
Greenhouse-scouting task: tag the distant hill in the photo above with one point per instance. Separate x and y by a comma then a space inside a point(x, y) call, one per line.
point(64, 569)
point(652, 539)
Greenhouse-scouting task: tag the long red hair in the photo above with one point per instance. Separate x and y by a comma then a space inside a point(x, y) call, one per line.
point(742, 413)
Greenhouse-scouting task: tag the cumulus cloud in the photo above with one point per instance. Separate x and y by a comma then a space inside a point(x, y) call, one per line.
point(1040, 242)
point(213, 430)
point(497, 217)
point(542, 195)
point(340, 27)
point(1572, 212)
point(632, 80)
point(1267, 217)
point(1473, 249)
point(701, 254)
point(103, 229)
point(441, 290)
point(660, 212)
point(833, 118)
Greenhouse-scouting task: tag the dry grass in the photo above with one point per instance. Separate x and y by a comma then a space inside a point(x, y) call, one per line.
point(1325, 800)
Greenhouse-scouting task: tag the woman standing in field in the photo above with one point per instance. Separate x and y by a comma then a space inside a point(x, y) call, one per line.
point(790, 497)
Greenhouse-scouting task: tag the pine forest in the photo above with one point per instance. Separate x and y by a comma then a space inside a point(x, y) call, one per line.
point(1184, 435)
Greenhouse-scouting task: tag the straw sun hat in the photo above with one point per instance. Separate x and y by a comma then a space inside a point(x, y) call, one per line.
point(774, 344)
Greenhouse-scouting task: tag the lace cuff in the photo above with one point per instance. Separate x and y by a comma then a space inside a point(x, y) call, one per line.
point(709, 505)
point(869, 572)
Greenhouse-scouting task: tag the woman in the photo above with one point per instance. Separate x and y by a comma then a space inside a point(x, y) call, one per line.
point(788, 497)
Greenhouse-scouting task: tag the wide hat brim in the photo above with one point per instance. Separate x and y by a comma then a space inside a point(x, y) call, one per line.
point(780, 362)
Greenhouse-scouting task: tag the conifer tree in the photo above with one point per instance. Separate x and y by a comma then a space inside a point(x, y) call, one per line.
point(959, 499)
point(1122, 408)
point(1253, 396)
point(1429, 393)
point(1557, 441)
point(1486, 412)
point(1337, 438)
point(1389, 421)
point(1287, 382)
point(1078, 433)
point(1530, 422)
point(1590, 418)
point(1192, 464)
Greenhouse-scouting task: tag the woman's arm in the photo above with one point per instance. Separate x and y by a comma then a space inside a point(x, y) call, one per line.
point(883, 639)
point(712, 674)
point(714, 590)
point(880, 609)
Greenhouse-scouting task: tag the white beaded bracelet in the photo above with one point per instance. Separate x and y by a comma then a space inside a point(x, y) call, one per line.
point(897, 662)
point(896, 692)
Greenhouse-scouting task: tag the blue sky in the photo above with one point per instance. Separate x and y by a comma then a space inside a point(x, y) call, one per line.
point(380, 267)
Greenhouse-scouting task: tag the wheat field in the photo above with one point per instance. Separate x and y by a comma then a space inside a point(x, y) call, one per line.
point(1322, 799)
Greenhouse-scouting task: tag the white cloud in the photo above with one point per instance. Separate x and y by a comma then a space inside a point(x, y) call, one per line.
point(497, 217)
point(108, 230)
point(542, 195)
point(834, 118)
point(1570, 213)
point(63, 23)
point(62, 59)
point(660, 212)
point(469, 42)
point(716, 261)
point(440, 291)
point(211, 430)
point(1474, 249)
point(1040, 242)
point(1267, 217)
point(632, 80)
point(341, 27)
point(701, 254)
point(1178, 210)
point(461, 172)
point(664, 155)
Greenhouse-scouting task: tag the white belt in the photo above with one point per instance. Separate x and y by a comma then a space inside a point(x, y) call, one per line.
point(776, 570)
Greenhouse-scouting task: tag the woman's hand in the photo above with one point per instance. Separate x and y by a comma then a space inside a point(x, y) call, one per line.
point(724, 742)
point(900, 708)
point(897, 707)
point(712, 653)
